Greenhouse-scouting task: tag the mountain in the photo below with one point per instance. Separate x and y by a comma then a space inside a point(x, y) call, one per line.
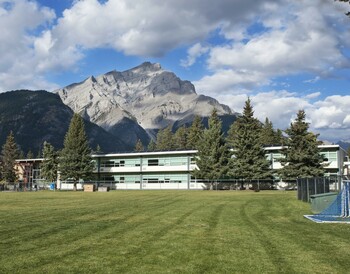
point(38, 116)
point(136, 103)
point(344, 144)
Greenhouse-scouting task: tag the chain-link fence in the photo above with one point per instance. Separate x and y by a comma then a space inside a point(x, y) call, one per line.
point(311, 186)
point(244, 184)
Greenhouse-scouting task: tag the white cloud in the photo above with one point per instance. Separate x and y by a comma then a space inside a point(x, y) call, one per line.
point(328, 117)
point(193, 53)
point(18, 63)
point(314, 80)
point(305, 43)
point(313, 95)
point(279, 106)
point(295, 37)
point(298, 36)
point(229, 81)
point(148, 27)
point(34, 42)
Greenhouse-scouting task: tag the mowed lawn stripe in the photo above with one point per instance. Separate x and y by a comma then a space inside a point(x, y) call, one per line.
point(296, 239)
point(166, 232)
point(83, 225)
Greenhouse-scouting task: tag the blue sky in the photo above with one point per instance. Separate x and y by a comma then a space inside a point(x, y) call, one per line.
point(286, 55)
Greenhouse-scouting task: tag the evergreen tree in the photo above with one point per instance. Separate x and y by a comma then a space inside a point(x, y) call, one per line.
point(98, 149)
point(151, 146)
point(195, 133)
point(21, 154)
point(302, 155)
point(212, 154)
point(268, 136)
point(279, 136)
point(75, 160)
point(180, 138)
point(30, 155)
point(139, 146)
point(165, 139)
point(49, 166)
point(9, 154)
point(249, 160)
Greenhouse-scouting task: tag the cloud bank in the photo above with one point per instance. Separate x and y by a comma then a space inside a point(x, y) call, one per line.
point(245, 44)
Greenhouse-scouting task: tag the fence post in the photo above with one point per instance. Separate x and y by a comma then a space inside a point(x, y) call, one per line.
point(315, 186)
point(307, 189)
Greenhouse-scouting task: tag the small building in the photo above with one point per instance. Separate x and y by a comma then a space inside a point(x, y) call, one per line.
point(28, 172)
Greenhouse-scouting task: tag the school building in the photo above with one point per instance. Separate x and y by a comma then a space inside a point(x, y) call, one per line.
point(162, 169)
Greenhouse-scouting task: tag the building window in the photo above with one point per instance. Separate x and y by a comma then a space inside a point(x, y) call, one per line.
point(153, 162)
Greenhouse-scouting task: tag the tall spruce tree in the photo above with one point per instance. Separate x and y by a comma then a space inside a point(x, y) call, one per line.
point(9, 154)
point(195, 133)
point(302, 155)
point(244, 137)
point(98, 150)
point(49, 166)
point(165, 139)
point(75, 160)
point(139, 146)
point(268, 135)
point(30, 155)
point(180, 138)
point(151, 146)
point(212, 154)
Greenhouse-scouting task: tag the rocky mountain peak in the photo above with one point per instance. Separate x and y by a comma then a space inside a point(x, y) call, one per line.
point(147, 67)
point(146, 95)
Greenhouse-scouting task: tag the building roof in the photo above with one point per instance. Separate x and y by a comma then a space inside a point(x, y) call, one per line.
point(320, 147)
point(153, 153)
point(29, 160)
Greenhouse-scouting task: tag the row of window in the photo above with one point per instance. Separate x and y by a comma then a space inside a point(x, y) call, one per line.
point(183, 161)
point(330, 156)
point(152, 178)
point(136, 162)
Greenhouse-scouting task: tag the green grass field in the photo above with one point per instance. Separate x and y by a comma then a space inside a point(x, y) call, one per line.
point(167, 232)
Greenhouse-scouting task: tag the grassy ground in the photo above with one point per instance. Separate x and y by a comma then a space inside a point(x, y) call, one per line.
point(167, 232)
